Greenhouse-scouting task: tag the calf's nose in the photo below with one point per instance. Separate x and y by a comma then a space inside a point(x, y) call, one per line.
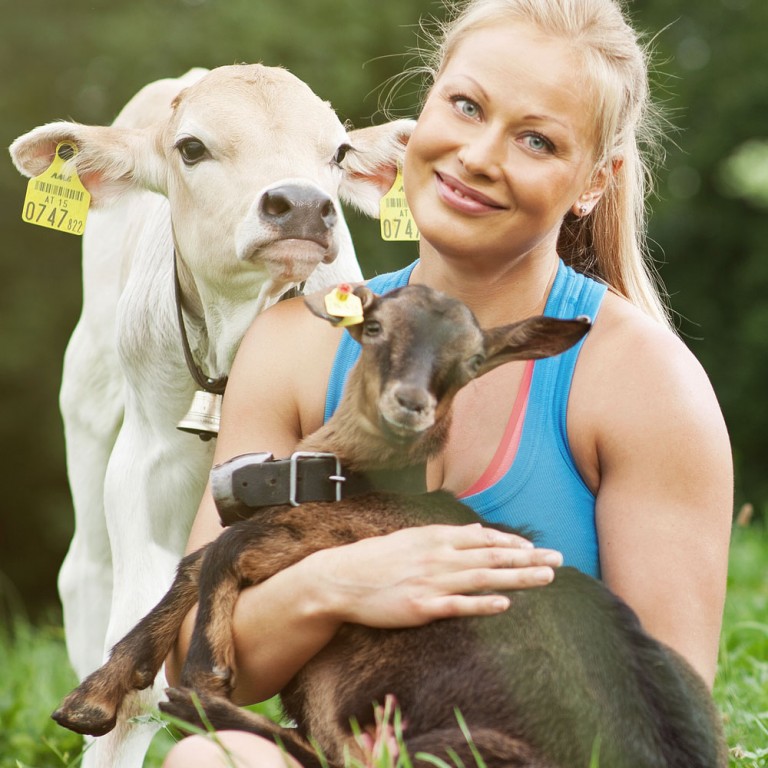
point(304, 213)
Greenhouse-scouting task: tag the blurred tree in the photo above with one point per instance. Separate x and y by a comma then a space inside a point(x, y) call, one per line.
point(84, 59)
point(709, 229)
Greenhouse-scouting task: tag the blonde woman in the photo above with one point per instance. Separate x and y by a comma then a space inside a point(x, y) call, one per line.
point(526, 182)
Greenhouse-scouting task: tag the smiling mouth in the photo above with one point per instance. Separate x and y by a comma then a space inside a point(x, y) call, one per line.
point(461, 192)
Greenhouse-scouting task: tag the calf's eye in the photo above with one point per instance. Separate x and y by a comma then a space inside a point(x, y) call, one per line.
point(192, 150)
point(341, 153)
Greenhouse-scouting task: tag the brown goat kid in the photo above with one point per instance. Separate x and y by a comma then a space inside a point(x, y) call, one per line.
point(565, 674)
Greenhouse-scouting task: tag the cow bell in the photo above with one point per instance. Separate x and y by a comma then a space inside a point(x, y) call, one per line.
point(204, 415)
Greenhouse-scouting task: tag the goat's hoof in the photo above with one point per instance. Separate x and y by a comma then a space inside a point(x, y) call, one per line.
point(87, 720)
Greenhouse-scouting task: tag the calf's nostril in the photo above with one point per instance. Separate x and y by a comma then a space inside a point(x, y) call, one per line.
point(275, 204)
point(328, 213)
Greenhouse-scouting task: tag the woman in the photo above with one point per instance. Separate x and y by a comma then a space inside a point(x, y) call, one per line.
point(525, 153)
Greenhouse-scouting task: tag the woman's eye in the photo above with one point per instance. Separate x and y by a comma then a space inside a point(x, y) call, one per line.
point(466, 106)
point(192, 151)
point(538, 143)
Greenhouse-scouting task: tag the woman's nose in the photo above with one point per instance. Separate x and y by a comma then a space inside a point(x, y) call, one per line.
point(482, 154)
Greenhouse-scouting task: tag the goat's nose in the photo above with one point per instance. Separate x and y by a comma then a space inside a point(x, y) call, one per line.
point(299, 211)
point(412, 399)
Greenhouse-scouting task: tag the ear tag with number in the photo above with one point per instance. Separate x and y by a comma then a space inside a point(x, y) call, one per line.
point(396, 220)
point(57, 198)
point(345, 305)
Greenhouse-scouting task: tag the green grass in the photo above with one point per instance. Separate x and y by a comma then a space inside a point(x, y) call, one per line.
point(35, 675)
point(741, 688)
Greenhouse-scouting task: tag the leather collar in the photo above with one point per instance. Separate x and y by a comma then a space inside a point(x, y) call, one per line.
point(245, 483)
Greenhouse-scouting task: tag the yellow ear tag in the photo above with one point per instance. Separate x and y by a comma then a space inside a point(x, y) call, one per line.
point(342, 303)
point(57, 198)
point(396, 220)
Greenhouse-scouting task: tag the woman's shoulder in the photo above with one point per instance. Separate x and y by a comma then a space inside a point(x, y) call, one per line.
point(635, 383)
point(626, 343)
point(283, 364)
point(289, 331)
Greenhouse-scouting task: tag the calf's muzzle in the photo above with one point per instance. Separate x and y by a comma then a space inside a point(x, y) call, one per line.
point(303, 213)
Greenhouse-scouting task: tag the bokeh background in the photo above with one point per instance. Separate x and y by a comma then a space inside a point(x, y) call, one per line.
point(84, 59)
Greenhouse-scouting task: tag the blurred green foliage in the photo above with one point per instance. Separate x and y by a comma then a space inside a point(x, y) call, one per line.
point(84, 59)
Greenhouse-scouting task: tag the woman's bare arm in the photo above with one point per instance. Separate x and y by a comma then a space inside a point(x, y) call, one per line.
point(276, 395)
point(665, 497)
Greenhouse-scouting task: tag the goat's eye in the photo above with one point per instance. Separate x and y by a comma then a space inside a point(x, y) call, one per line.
point(341, 153)
point(475, 363)
point(192, 150)
point(372, 328)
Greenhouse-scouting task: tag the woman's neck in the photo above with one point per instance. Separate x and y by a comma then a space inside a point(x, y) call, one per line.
point(497, 293)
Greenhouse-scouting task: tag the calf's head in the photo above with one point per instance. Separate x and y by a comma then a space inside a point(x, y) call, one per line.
point(420, 347)
point(253, 164)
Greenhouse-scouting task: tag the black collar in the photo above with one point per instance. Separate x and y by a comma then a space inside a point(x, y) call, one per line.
point(254, 480)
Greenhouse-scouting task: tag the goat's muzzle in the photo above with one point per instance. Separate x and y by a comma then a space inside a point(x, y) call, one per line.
point(406, 411)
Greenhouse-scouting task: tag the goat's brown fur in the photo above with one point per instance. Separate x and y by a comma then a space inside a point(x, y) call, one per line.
point(565, 670)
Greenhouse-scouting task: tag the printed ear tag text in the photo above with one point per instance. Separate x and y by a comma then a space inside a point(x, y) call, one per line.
point(345, 305)
point(396, 220)
point(57, 198)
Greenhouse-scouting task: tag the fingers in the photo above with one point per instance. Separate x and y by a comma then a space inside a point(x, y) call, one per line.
point(478, 535)
point(416, 575)
point(451, 548)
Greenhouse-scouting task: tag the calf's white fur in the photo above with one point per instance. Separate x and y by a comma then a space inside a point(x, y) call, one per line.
point(187, 166)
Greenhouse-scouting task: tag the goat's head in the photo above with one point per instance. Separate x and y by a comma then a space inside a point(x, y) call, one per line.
point(420, 347)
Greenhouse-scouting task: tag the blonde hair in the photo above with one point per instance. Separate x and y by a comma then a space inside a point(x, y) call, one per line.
point(610, 243)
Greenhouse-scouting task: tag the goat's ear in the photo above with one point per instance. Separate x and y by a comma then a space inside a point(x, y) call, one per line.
point(367, 299)
point(531, 339)
point(317, 305)
point(366, 296)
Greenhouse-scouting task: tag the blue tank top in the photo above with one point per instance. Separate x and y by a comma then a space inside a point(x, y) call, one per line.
point(542, 491)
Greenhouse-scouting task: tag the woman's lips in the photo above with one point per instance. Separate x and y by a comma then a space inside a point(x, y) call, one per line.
point(462, 197)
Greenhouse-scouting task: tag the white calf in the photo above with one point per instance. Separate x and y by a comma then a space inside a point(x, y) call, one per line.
point(238, 171)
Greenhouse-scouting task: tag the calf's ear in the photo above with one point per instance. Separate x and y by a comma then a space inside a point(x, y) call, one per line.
point(109, 161)
point(371, 166)
point(531, 339)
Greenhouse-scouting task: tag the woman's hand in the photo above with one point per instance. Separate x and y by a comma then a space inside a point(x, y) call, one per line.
point(414, 576)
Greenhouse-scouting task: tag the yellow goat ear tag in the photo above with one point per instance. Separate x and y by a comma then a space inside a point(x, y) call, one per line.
point(57, 198)
point(342, 303)
point(396, 220)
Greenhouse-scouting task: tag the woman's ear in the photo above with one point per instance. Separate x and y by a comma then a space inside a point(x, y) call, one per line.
point(589, 198)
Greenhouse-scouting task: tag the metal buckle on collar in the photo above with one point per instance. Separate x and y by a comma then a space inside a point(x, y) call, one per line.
point(338, 478)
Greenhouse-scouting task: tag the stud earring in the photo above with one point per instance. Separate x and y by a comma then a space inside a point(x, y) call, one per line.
point(583, 209)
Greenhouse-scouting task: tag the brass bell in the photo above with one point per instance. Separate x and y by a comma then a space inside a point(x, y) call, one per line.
point(204, 415)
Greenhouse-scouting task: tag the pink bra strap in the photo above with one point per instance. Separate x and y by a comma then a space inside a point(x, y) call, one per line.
point(505, 453)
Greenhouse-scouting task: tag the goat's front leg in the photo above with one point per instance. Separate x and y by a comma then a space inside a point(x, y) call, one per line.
point(134, 661)
point(248, 553)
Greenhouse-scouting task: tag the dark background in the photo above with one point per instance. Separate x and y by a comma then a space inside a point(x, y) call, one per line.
point(84, 59)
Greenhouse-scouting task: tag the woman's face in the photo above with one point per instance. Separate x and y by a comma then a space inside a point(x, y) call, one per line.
point(503, 148)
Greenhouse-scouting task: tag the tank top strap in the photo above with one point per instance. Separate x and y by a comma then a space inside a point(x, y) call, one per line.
point(572, 295)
